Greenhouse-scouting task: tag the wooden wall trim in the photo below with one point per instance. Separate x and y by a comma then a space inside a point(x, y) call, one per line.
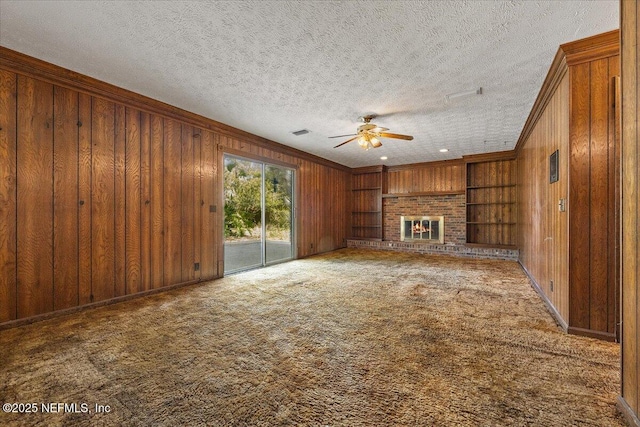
point(20, 63)
point(547, 302)
point(627, 412)
point(583, 50)
point(557, 71)
point(452, 162)
point(123, 298)
point(369, 169)
point(251, 156)
point(604, 336)
point(490, 157)
point(591, 48)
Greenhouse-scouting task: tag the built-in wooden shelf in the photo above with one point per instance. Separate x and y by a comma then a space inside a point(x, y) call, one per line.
point(367, 186)
point(490, 204)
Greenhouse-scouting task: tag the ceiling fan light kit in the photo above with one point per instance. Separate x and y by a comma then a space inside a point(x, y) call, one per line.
point(369, 134)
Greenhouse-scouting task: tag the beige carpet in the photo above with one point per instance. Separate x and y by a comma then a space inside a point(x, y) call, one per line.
point(353, 337)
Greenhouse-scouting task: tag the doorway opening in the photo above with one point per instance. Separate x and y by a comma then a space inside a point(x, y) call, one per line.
point(258, 214)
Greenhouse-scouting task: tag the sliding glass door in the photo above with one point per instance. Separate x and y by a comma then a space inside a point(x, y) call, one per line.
point(258, 214)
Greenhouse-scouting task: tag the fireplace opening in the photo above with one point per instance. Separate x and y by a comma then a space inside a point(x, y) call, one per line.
point(427, 229)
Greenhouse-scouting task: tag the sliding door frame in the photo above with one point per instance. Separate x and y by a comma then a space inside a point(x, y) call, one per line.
point(241, 155)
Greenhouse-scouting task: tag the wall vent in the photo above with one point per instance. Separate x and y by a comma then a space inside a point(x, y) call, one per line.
point(300, 132)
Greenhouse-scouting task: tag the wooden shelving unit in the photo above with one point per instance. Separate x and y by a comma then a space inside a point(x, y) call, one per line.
point(367, 187)
point(491, 203)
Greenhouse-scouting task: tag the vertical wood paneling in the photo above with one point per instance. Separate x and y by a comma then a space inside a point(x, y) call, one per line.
point(209, 238)
point(133, 229)
point(120, 248)
point(8, 88)
point(172, 203)
point(145, 202)
point(630, 180)
point(579, 196)
point(84, 199)
point(426, 178)
point(65, 198)
point(187, 204)
point(198, 203)
point(542, 228)
point(103, 206)
point(157, 202)
point(101, 200)
point(34, 197)
point(614, 193)
point(600, 211)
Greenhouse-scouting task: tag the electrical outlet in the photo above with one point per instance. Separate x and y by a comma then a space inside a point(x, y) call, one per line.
point(551, 283)
point(312, 246)
point(196, 266)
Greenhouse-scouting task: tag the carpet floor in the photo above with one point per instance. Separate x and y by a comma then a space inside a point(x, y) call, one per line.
point(351, 337)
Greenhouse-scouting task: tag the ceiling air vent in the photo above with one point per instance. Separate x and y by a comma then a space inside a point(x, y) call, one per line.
point(300, 132)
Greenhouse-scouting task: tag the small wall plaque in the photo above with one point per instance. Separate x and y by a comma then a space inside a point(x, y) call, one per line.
point(553, 167)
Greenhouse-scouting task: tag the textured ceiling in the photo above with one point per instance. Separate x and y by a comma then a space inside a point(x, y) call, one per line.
point(273, 67)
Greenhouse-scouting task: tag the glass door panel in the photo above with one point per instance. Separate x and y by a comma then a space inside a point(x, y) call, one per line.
point(278, 185)
point(258, 214)
point(243, 219)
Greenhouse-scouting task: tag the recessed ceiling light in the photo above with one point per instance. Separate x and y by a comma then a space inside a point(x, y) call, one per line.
point(444, 150)
point(383, 158)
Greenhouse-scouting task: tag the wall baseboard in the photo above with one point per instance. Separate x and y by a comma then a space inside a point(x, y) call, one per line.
point(65, 312)
point(547, 302)
point(630, 416)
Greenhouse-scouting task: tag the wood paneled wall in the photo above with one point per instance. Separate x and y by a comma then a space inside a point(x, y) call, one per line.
point(435, 178)
point(629, 401)
point(101, 199)
point(542, 228)
point(594, 195)
point(572, 256)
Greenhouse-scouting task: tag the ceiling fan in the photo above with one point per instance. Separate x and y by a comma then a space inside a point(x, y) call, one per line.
point(369, 134)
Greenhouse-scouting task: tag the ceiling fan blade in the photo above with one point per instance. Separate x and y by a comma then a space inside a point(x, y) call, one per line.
point(395, 136)
point(379, 129)
point(348, 140)
point(342, 136)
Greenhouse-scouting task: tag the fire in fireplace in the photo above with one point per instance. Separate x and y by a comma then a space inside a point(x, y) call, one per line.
point(427, 229)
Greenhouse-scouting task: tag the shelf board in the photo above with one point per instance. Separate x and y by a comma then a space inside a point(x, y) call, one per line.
point(491, 223)
point(366, 188)
point(478, 187)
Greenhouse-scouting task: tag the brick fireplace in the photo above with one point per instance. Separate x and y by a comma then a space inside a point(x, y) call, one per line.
point(451, 206)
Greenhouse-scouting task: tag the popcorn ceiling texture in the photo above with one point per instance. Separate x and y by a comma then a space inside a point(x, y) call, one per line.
point(273, 67)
